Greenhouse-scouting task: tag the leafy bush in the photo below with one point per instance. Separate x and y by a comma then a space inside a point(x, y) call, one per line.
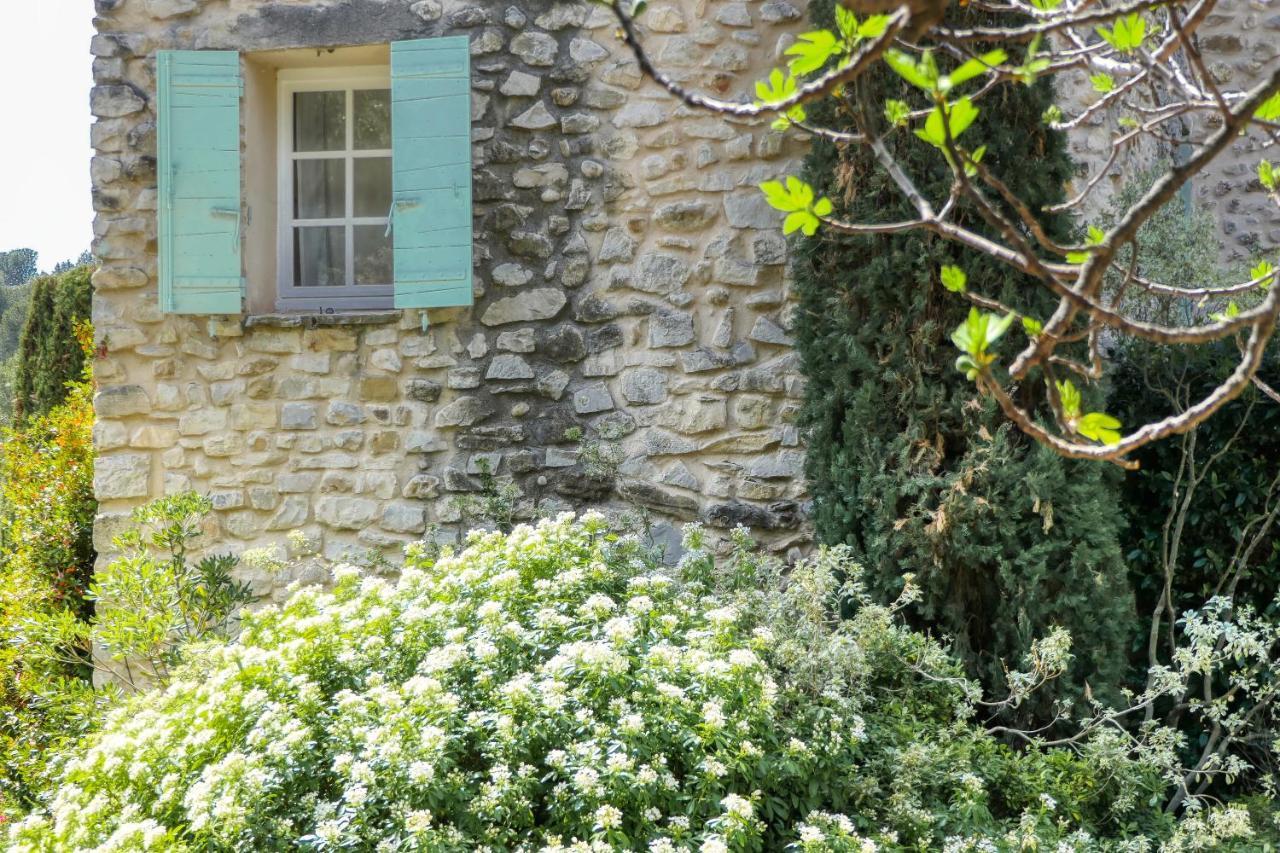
point(46, 560)
point(153, 600)
point(557, 689)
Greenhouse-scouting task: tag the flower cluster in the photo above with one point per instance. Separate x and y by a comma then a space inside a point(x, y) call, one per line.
point(555, 689)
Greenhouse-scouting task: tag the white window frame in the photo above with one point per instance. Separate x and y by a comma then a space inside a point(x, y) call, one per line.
point(349, 296)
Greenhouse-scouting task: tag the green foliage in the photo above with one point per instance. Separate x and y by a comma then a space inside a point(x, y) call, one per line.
point(1270, 109)
point(17, 267)
point(1267, 174)
point(796, 199)
point(1126, 34)
point(556, 688)
point(1237, 492)
point(46, 559)
point(48, 354)
point(156, 599)
point(13, 316)
point(1200, 506)
point(908, 464)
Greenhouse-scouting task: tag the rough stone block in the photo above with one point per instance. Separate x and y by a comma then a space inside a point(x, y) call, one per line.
point(644, 386)
point(122, 475)
point(346, 513)
point(154, 437)
point(379, 388)
point(403, 517)
point(592, 398)
point(202, 421)
point(120, 401)
point(299, 416)
point(539, 304)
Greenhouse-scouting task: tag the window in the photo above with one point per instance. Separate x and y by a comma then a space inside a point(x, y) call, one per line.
point(335, 188)
point(277, 172)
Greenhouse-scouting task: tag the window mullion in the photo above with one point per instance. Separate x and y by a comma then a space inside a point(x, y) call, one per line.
point(349, 231)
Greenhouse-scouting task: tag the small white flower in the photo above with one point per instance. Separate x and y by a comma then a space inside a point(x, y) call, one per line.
point(597, 606)
point(330, 832)
point(608, 817)
point(738, 806)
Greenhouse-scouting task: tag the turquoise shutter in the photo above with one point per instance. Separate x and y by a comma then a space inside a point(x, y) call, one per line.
point(431, 147)
point(198, 138)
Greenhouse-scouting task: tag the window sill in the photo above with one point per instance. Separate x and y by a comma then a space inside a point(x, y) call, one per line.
point(311, 320)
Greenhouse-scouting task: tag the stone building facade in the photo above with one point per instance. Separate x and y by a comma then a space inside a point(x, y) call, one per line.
point(629, 282)
point(628, 277)
point(1239, 42)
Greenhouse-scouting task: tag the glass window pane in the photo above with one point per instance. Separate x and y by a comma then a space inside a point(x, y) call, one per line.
point(319, 189)
point(319, 121)
point(373, 186)
point(320, 256)
point(373, 255)
point(372, 119)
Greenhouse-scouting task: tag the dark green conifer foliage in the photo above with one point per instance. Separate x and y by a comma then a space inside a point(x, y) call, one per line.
point(907, 463)
point(49, 356)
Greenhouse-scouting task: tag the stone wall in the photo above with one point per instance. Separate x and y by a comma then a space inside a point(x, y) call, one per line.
point(1239, 42)
point(629, 280)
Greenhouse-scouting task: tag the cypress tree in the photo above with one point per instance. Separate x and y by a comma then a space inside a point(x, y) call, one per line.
point(907, 463)
point(49, 356)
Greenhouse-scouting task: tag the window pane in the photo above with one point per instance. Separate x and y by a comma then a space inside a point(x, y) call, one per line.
point(373, 255)
point(373, 186)
point(319, 189)
point(373, 119)
point(319, 121)
point(320, 256)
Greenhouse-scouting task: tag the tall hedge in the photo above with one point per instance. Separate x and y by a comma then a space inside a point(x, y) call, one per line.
point(907, 463)
point(49, 355)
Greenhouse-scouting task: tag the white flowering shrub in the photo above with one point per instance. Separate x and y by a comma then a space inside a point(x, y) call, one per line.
point(554, 689)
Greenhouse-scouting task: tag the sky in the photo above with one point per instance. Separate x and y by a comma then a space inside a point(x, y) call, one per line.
point(45, 77)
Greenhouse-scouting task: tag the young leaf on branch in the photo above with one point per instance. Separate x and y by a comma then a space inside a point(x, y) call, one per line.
point(777, 89)
point(954, 279)
point(959, 116)
point(795, 198)
point(1127, 33)
point(813, 50)
point(974, 336)
point(1270, 110)
point(1268, 175)
point(1098, 426)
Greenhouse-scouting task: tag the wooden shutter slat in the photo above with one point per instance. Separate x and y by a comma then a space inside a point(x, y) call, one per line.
point(198, 138)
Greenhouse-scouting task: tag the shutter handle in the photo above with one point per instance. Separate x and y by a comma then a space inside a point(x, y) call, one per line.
point(399, 204)
point(229, 213)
